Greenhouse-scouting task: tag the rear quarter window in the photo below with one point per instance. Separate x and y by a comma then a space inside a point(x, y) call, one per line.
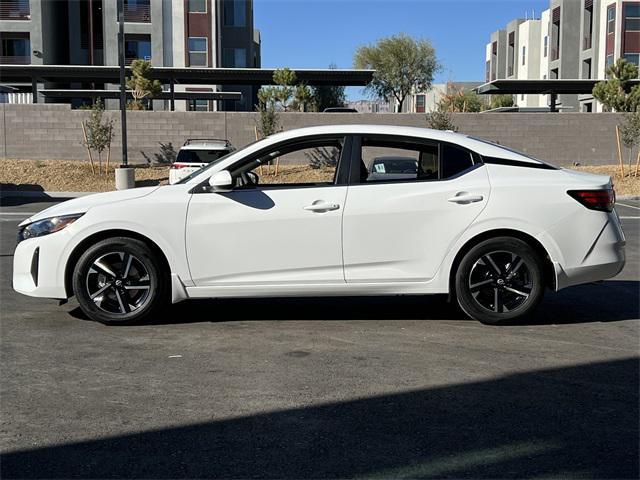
point(454, 160)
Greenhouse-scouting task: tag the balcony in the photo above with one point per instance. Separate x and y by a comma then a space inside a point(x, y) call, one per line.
point(137, 12)
point(14, 10)
point(14, 60)
point(586, 43)
point(555, 53)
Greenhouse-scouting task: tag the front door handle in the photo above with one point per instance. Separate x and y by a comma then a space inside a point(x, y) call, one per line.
point(464, 198)
point(321, 206)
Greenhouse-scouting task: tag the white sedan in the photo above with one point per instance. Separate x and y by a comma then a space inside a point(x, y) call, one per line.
point(491, 227)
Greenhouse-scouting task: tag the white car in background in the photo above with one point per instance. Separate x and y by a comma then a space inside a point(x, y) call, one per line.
point(490, 227)
point(195, 154)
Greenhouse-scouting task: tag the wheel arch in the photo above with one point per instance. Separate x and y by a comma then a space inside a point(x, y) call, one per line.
point(548, 267)
point(103, 235)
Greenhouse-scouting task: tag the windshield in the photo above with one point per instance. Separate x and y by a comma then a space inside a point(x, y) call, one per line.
point(211, 164)
point(200, 156)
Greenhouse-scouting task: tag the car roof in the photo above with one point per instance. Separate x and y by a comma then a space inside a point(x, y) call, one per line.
point(483, 147)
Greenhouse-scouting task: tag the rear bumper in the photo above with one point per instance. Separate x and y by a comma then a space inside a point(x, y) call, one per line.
point(605, 258)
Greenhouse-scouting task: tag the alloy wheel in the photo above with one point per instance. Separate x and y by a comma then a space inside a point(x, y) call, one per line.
point(118, 283)
point(500, 281)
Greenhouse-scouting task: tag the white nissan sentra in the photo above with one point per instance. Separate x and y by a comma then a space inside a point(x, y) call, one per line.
point(491, 227)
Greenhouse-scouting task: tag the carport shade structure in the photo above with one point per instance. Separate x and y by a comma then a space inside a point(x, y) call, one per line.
point(16, 74)
point(553, 88)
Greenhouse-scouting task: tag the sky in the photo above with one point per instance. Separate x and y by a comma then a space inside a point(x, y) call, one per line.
point(316, 33)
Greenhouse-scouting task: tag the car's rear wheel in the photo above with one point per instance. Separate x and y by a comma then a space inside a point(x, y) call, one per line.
point(119, 281)
point(499, 280)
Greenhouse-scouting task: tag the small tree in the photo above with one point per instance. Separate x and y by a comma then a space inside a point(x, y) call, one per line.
point(502, 101)
point(402, 64)
point(630, 133)
point(616, 93)
point(441, 119)
point(97, 135)
point(142, 87)
point(462, 101)
point(268, 120)
point(328, 96)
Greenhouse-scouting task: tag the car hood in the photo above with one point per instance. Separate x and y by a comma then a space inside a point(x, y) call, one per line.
point(83, 204)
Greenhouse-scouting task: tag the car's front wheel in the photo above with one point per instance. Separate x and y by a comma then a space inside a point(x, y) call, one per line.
point(119, 281)
point(500, 279)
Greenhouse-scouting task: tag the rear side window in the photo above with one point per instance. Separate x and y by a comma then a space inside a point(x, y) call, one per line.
point(454, 160)
point(398, 160)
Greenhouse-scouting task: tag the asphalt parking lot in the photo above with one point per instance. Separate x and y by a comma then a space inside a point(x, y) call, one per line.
point(322, 388)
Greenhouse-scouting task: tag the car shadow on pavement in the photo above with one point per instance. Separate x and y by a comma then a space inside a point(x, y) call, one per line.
point(572, 422)
point(609, 301)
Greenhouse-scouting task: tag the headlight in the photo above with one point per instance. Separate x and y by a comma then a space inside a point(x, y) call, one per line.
point(46, 226)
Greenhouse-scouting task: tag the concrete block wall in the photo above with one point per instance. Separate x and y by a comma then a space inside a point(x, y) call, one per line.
point(52, 131)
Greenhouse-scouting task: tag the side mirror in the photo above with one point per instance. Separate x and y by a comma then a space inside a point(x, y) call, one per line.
point(221, 181)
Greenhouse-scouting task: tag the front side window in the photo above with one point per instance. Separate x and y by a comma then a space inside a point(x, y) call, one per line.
point(307, 163)
point(197, 51)
point(235, 13)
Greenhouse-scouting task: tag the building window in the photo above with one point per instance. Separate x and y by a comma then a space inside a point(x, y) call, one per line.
point(198, 105)
point(608, 62)
point(197, 6)
point(137, 11)
point(587, 107)
point(555, 34)
point(234, 58)
point(197, 51)
point(487, 73)
point(15, 48)
point(587, 24)
point(511, 54)
point(524, 55)
point(137, 47)
point(611, 19)
point(632, 17)
point(546, 45)
point(235, 13)
point(586, 69)
point(14, 10)
point(633, 58)
point(420, 103)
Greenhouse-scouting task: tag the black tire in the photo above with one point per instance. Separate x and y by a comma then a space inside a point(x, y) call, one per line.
point(112, 299)
point(499, 280)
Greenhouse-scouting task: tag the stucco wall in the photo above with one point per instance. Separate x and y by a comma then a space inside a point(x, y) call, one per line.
point(48, 131)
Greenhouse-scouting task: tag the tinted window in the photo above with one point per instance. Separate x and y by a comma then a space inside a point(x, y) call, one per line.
point(454, 160)
point(200, 156)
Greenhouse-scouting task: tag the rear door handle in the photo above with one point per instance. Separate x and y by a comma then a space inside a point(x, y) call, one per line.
point(321, 206)
point(464, 198)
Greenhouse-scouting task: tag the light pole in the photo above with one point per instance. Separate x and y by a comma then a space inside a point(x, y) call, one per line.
point(125, 176)
point(123, 86)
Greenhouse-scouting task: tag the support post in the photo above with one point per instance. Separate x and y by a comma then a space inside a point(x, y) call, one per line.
point(34, 89)
point(123, 86)
point(553, 98)
point(173, 93)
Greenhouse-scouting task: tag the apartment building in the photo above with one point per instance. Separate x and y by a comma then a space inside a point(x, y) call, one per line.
point(169, 33)
point(573, 39)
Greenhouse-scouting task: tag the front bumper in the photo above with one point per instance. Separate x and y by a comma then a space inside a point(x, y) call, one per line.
point(36, 267)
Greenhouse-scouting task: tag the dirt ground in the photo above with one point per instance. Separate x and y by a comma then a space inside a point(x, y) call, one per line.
point(76, 176)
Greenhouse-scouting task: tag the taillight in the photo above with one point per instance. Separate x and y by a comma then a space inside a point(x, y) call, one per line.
point(178, 166)
point(602, 200)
